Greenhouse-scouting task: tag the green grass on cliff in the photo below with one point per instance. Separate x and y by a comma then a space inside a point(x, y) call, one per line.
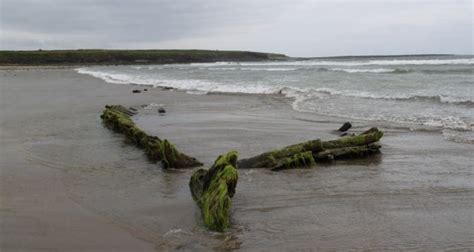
point(65, 57)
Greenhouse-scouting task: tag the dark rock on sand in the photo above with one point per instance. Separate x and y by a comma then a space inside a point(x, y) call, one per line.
point(161, 110)
point(136, 91)
point(345, 127)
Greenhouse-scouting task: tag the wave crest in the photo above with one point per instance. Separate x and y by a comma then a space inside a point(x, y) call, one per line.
point(373, 70)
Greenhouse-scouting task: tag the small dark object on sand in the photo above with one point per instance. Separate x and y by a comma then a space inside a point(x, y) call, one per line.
point(161, 110)
point(167, 88)
point(136, 91)
point(345, 127)
point(145, 89)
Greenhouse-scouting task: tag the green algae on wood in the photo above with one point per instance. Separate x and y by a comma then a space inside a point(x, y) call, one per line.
point(298, 155)
point(213, 189)
point(347, 152)
point(370, 136)
point(117, 118)
point(271, 158)
point(303, 159)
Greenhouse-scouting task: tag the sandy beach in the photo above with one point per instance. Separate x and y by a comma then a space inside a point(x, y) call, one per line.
point(69, 184)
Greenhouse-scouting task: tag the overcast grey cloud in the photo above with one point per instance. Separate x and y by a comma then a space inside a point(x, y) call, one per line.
point(296, 28)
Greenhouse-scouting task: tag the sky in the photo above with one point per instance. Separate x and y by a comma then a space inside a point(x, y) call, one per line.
point(293, 27)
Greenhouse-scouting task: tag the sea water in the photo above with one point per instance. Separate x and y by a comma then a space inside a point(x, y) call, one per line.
point(428, 92)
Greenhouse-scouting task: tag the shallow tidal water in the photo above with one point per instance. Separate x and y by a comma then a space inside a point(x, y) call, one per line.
point(429, 92)
point(416, 195)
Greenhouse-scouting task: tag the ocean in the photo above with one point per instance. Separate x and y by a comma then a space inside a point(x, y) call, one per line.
point(417, 92)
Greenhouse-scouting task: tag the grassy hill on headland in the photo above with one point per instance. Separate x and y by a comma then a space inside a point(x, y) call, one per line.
point(112, 57)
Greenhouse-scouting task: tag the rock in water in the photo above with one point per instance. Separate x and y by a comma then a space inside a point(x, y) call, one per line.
point(136, 91)
point(213, 189)
point(345, 127)
point(161, 110)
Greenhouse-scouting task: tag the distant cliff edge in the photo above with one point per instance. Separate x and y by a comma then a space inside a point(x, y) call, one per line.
point(113, 57)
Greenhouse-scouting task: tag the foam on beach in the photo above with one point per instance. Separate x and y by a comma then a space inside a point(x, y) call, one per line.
point(366, 89)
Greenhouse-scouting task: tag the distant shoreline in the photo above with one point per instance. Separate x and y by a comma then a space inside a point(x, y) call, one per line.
point(127, 57)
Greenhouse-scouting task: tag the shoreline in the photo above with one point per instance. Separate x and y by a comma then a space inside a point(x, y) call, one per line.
point(69, 183)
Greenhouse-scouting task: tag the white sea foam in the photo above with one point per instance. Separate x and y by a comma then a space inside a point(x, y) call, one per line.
point(428, 120)
point(301, 96)
point(358, 70)
point(315, 62)
point(176, 231)
point(270, 69)
point(396, 62)
point(116, 78)
point(202, 86)
point(185, 84)
point(446, 122)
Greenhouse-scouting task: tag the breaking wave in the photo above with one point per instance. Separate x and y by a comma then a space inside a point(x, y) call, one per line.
point(318, 62)
point(301, 94)
point(368, 95)
point(271, 69)
point(373, 70)
point(187, 84)
point(245, 88)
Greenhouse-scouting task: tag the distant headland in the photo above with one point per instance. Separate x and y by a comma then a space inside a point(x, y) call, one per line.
point(122, 57)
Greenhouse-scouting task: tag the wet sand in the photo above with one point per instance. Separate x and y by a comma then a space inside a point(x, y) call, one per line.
point(67, 183)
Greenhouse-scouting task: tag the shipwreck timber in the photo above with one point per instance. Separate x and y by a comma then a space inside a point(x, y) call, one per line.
point(308, 153)
point(213, 189)
point(117, 118)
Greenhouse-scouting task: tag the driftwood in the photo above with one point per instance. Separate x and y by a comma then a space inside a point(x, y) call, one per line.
point(213, 189)
point(118, 119)
point(307, 153)
point(273, 158)
point(347, 152)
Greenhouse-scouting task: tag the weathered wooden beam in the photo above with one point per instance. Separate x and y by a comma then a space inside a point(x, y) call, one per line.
point(272, 158)
point(213, 189)
point(297, 155)
point(347, 152)
point(118, 119)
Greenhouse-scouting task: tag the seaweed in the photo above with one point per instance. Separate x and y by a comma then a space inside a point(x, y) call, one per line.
point(308, 153)
point(117, 118)
point(213, 189)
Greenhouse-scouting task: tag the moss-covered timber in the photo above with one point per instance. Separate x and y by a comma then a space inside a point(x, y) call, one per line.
point(213, 189)
point(113, 57)
point(347, 152)
point(303, 159)
point(118, 119)
point(307, 153)
point(272, 158)
point(369, 136)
